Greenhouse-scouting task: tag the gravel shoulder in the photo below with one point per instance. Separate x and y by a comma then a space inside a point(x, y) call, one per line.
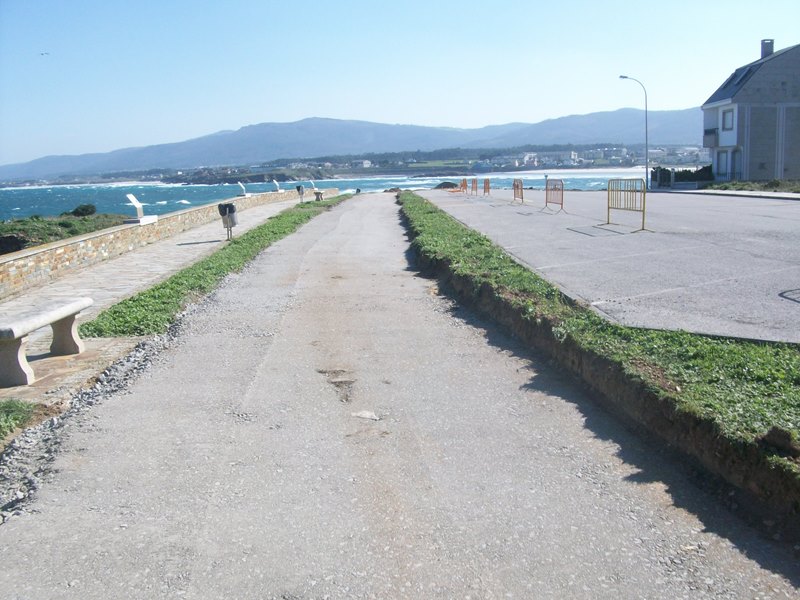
point(327, 425)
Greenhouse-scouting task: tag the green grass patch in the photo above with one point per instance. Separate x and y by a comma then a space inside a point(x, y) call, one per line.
point(745, 387)
point(14, 414)
point(153, 310)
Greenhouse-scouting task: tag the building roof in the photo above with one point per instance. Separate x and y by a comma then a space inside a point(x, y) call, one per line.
point(741, 76)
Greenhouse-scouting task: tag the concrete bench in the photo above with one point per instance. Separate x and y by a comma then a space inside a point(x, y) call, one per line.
point(14, 367)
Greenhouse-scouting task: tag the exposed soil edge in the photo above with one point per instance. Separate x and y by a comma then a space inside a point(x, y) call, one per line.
point(766, 490)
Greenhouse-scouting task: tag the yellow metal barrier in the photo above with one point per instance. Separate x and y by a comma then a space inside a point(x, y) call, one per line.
point(518, 194)
point(627, 194)
point(554, 193)
point(486, 191)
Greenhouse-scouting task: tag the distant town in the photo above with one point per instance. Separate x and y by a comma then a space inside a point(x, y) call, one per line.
point(565, 158)
point(438, 163)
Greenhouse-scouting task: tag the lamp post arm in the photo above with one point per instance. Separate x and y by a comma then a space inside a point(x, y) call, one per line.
point(646, 133)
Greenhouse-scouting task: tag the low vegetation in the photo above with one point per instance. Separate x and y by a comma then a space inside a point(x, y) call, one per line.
point(758, 186)
point(13, 415)
point(19, 234)
point(152, 311)
point(747, 388)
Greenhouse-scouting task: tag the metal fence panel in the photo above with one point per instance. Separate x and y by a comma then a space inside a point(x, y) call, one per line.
point(627, 194)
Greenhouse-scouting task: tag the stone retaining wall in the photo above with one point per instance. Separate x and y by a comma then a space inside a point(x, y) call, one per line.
point(36, 266)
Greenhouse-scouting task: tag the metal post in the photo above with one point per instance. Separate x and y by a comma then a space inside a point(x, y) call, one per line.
point(646, 140)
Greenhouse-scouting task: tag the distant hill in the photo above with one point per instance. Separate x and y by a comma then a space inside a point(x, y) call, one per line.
point(625, 125)
point(320, 137)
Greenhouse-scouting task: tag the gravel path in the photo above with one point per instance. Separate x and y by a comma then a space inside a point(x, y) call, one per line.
point(326, 425)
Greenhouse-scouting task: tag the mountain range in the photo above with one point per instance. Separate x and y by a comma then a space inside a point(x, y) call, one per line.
point(314, 137)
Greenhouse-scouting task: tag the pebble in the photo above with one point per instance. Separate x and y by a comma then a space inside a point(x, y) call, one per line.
point(366, 414)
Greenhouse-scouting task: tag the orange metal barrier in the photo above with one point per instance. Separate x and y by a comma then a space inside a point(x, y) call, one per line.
point(461, 189)
point(554, 193)
point(474, 189)
point(518, 194)
point(627, 194)
point(486, 191)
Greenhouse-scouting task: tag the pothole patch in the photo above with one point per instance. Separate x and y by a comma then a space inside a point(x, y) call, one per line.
point(242, 417)
point(342, 380)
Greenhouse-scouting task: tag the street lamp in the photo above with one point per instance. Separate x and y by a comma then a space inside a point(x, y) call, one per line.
point(646, 143)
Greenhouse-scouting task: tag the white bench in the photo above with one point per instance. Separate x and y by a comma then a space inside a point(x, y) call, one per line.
point(14, 367)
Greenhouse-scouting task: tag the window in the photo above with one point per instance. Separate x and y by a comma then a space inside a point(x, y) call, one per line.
point(741, 76)
point(722, 163)
point(727, 120)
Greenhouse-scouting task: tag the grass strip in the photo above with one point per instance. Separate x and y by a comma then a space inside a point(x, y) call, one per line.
point(746, 388)
point(153, 310)
point(13, 415)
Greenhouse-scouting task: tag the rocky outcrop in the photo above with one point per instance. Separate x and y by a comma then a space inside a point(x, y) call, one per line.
point(11, 243)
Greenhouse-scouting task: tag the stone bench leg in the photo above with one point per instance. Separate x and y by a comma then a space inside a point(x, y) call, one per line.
point(14, 367)
point(65, 337)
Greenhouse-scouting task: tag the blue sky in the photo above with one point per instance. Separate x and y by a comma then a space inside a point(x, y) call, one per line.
point(79, 76)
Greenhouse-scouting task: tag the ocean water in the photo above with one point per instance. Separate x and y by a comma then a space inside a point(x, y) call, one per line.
point(160, 198)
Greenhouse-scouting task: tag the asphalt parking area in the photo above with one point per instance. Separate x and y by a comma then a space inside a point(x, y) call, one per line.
point(718, 265)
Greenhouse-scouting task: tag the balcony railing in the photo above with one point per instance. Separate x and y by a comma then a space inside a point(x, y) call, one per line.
point(710, 138)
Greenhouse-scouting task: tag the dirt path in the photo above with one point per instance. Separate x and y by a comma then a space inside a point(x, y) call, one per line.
point(245, 462)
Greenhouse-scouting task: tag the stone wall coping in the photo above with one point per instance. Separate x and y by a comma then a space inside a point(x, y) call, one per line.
point(77, 239)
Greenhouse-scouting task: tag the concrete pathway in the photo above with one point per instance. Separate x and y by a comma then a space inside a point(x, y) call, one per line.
point(715, 264)
point(327, 426)
point(107, 283)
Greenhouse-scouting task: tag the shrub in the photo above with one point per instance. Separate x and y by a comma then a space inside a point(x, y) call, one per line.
point(681, 175)
point(84, 210)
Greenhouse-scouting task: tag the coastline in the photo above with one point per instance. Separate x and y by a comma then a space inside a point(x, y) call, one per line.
point(164, 197)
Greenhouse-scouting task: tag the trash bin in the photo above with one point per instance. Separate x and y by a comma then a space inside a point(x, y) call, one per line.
point(227, 211)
